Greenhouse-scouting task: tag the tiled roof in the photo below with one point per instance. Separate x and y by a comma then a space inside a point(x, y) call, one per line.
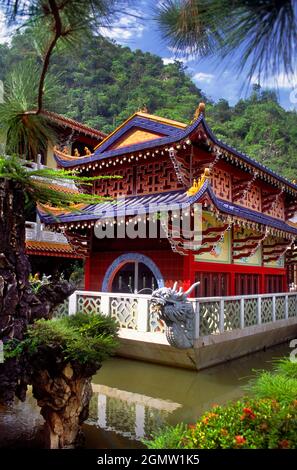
point(50, 249)
point(134, 205)
point(67, 122)
point(171, 135)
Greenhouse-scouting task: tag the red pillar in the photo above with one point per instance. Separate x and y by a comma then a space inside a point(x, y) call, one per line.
point(262, 284)
point(232, 284)
point(188, 271)
point(87, 273)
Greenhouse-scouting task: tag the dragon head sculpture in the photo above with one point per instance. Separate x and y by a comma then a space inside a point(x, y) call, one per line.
point(172, 306)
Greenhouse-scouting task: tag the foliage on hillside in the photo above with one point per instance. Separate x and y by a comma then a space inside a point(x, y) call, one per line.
point(102, 83)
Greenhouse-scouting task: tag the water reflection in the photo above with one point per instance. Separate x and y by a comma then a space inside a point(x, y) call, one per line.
point(132, 399)
point(133, 415)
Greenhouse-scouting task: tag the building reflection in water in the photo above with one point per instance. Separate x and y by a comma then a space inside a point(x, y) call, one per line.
point(131, 415)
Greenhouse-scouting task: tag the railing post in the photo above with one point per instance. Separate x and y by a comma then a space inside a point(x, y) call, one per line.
point(221, 316)
point(72, 306)
point(197, 320)
point(259, 310)
point(105, 305)
point(286, 307)
point(241, 313)
point(143, 315)
point(273, 308)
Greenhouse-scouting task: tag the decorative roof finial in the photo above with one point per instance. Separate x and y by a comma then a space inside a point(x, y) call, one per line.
point(143, 109)
point(198, 184)
point(199, 110)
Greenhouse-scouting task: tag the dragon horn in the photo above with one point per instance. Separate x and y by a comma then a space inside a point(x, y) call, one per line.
point(191, 288)
point(180, 291)
point(174, 286)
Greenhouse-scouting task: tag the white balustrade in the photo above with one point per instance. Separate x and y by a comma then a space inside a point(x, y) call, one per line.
point(36, 232)
point(213, 315)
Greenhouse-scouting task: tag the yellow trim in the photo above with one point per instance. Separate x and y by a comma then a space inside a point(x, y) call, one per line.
point(177, 124)
point(197, 184)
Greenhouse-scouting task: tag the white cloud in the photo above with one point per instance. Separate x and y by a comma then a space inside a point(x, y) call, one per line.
point(126, 28)
point(280, 80)
point(203, 77)
point(4, 32)
point(168, 60)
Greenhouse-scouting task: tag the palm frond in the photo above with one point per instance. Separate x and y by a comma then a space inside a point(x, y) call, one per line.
point(189, 26)
point(38, 185)
point(259, 38)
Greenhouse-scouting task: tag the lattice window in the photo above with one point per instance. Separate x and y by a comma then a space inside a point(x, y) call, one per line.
point(250, 312)
point(292, 306)
point(266, 310)
point(280, 308)
point(116, 187)
point(278, 209)
point(252, 199)
point(156, 177)
point(88, 304)
point(125, 311)
point(209, 318)
point(231, 315)
point(62, 309)
point(152, 177)
point(221, 184)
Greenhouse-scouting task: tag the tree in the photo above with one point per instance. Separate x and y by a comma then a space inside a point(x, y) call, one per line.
point(260, 37)
point(25, 130)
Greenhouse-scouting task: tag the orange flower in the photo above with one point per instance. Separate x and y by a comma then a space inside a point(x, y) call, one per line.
point(205, 420)
point(294, 402)
point(224, 432)
point(284, 444)
point(240, 440)
point(212, 415)
point(191, 426)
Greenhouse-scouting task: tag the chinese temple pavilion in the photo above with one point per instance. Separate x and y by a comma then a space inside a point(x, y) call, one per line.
point(48, 251)
point(247, 244)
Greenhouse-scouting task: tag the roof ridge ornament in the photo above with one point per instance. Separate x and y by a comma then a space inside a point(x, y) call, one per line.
point(199, 110)
point(196, 186)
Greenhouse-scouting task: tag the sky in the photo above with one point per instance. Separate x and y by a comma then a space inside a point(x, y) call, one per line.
point(138, 30)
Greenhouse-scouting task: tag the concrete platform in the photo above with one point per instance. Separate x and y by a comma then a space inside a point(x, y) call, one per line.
point(208, 350)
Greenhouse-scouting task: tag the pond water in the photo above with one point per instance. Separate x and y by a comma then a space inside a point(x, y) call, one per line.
point(132, 399)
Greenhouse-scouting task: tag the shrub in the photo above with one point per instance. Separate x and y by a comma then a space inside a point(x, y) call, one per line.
point(85, 338)
point(267, 420)
point(245, 424)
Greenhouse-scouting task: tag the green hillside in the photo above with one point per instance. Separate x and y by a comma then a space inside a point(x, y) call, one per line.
point(102, 83)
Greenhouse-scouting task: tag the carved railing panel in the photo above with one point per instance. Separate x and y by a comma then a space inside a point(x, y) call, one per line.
point(62, 309)
point(292, 306)
point(266, 310)
point(124, 310)
point(155, 324)
point(209, 318)
point(280, 308)
point(250, 312)
point(231, 315)
point(88, 304)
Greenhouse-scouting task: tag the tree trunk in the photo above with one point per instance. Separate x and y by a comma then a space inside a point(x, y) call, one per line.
point(63, 397)
point(18, 304)
point(15, 293)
